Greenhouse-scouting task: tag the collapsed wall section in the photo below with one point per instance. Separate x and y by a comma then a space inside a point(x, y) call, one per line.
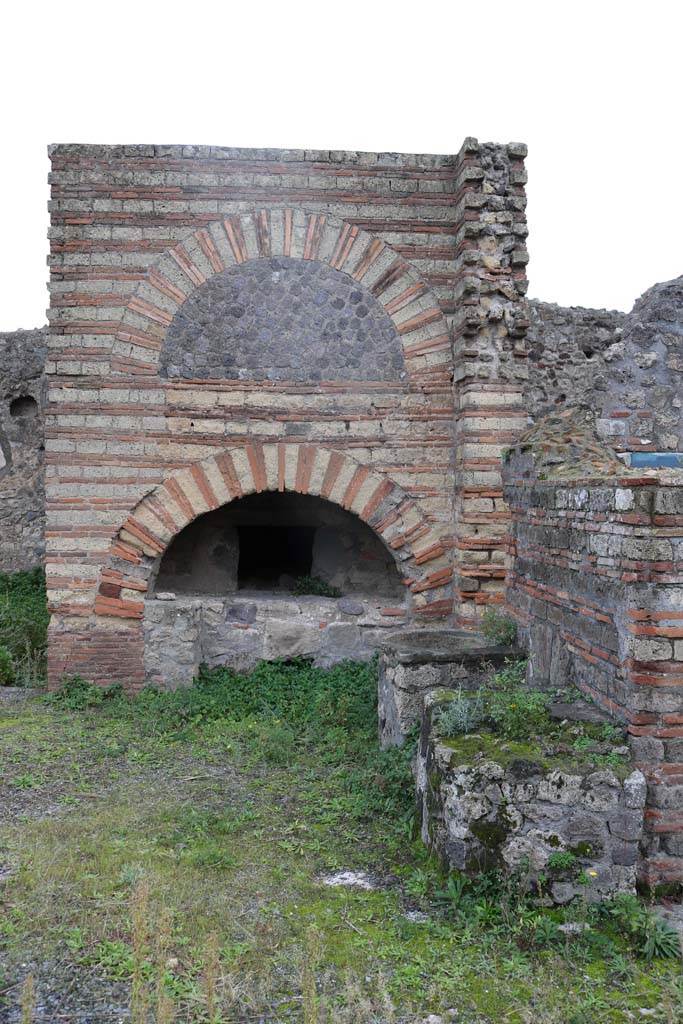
point(643, 411)
point(626, 367)
point(571, 351)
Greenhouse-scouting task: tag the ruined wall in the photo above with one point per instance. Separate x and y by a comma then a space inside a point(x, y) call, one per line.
point(570, 356)
point(628, 368)
point(482, 806)
point(22, 497)
point(643, 410)
point(597, 588)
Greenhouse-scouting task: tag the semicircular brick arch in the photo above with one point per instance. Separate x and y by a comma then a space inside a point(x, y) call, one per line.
point(344, 247)
point(204, 486)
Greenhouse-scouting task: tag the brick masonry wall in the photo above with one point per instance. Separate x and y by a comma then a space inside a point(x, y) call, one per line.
point(437, 242)
point(597, 587)
point(137, 231)
point(22, 498)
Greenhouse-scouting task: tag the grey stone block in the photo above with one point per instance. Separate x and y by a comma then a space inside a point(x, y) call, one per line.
point(626, 824)
point(287, 639)
point(348, 606)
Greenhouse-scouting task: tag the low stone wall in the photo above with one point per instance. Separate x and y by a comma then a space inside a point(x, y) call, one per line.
point(597, 588)
point(241, 629)
point(484, 805)
point(413, 663)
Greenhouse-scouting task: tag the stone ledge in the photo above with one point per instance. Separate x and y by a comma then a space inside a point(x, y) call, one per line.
point(71, 151)
point(412, 662)
point(423, 647)
point(241, 629)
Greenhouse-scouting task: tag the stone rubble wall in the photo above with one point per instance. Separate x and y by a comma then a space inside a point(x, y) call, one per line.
point(643, 410)
point(22, 495)
point(596, 586)
point(286, 319)
point(490, 365)
point(570, 356)
point(487, 814)
point(626, 367)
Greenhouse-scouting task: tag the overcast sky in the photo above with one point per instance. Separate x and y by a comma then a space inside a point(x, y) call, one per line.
point(595, 90)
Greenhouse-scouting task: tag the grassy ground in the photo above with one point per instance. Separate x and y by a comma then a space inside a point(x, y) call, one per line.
point(177, 846)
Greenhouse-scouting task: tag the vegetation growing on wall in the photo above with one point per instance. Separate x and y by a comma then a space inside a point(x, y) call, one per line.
point(315, 585)
point(23, 628)
point(498, 628)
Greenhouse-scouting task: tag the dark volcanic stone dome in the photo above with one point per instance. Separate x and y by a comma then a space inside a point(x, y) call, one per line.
point(282, 319)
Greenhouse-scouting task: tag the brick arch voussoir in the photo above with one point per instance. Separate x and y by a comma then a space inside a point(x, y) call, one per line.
point(201, 487)
point(374, 265)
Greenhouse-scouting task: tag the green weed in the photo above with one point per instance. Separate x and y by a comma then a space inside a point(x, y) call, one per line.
point(498, 628)
point(561, 860)
point(648, 934)
point(316, 586)
point(463, 714)
point(23, 625)
point(7, 670)
point(518, 714)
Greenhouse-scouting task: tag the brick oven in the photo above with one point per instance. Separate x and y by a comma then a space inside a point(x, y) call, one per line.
point(265, 365)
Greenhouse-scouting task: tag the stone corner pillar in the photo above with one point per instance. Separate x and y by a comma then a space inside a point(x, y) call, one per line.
point(490, 359)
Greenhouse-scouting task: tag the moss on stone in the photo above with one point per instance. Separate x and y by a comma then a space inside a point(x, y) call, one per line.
point(583, 849)
point(494, 748)
point(528, 758)
point(491, 834)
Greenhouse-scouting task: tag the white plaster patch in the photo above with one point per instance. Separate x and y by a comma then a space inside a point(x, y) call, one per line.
point(623, 499)
point(350, 879)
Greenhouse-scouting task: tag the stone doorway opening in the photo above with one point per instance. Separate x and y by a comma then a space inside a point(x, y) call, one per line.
point(270, 575)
